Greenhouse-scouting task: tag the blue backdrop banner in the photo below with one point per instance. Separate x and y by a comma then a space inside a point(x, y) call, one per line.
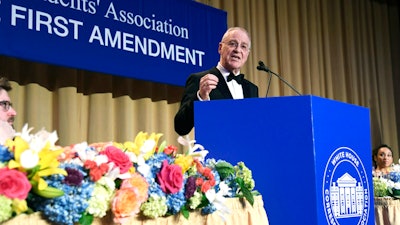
point(156, 40)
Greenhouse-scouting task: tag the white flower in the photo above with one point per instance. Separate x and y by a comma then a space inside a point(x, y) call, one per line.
point(86, 153)
point(24, 134)
point(114, 172)
point(39, 140)
point(147, 146)
point(218, 199)
point(224, 189)
point(388, 182)
point(396, 168)
point(197, 151)
point(29, 159)
point(396, 186)
point(142, 167)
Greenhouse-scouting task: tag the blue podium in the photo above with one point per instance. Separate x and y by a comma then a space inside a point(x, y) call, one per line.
point(310, 156)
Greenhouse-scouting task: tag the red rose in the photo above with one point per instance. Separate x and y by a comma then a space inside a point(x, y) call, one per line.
point(14, 184)
point(118, 157)
point(170, 178)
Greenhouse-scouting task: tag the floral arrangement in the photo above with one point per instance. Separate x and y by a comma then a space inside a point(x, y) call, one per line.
point(388, 185)
point(75, 184)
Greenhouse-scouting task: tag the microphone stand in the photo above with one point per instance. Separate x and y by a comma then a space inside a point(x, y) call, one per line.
point(269, 83)
point(261, 66)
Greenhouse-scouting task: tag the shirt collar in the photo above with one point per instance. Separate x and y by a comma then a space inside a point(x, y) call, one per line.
point(223, 71)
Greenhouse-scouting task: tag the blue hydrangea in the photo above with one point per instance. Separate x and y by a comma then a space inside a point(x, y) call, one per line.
point(175, 202)
point(5, 154)
point(155, 189)
point(156, 161)
point(211, 163)
point(394, 176)
point(66, 209)
point(217, 178)
point(210, 208)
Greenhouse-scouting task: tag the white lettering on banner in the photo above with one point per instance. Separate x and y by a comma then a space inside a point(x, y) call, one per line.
point(64, 27)
point(165, 26)
point(133, 43)
point(80, 5)
point(37, 20)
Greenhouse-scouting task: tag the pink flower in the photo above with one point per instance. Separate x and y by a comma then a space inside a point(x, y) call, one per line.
point(129, 198)
point(126, 204)
point(118, 157)
point(170, 178)
point(14, 184)
point(139, 182)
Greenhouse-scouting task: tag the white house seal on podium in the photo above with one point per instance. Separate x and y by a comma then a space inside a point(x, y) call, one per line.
point(345, 189)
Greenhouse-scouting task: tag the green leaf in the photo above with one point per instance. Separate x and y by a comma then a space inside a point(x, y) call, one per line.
point(185, 212)
point(204, 202)
point(245, 191)
point(86, 219)
point(390, 191)
point(162, 146)
point(118, 183)
point(33, 171)
point(48, 192)
point(224, 169)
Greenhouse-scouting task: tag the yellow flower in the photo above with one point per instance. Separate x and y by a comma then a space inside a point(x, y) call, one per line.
point(19, 206)
point(19, 145)
point(144, 144)
point(132, 170)
point(120, 145)
point(49, 165)
point(47, 161)
point(184, 161)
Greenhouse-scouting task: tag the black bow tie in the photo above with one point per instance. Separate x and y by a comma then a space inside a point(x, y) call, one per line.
point(239, 78)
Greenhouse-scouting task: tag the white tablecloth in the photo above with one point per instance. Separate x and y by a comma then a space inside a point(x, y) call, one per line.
point(241, 213)
point(387, 211)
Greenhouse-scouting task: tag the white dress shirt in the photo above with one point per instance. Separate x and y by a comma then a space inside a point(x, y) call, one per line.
point(235, 88)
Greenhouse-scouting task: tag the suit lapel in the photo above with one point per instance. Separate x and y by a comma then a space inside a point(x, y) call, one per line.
point(246, 90)
point(222, 90)
point(223, 87)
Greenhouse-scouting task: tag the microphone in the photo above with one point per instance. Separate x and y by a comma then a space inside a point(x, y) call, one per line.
point(263, 67)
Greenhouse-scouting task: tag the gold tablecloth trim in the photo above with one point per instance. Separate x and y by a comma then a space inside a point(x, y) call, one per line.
point(241, 213)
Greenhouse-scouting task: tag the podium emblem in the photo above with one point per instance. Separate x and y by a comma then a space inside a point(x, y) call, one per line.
point(345, 189)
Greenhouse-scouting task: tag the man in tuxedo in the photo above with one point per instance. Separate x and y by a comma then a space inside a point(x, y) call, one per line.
point(221, 82)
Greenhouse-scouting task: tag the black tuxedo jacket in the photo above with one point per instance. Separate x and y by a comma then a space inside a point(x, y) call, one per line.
point(184, 118)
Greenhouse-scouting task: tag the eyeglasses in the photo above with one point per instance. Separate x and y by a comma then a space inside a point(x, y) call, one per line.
point(6, 105)
point(235, 44)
